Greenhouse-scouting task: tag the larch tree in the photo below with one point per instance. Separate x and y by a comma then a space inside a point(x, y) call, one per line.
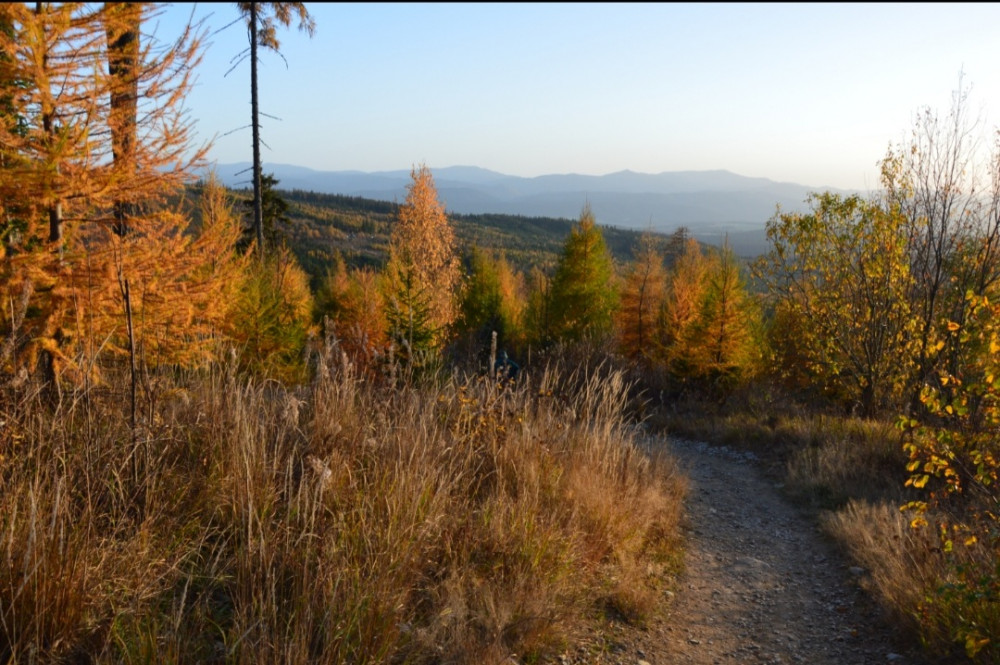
point(512, 304)
point(642, 300)
point(272, 316)
point(81, 73)
point(262, 20)
point(350, 301)
point(122, 25)
point(181, 284)
point(99, 142)
point(490, 301)
point(687, 284)
point(535, 316)
point(583, 296)
point(479, 309)
point(423, 273)
point(729, 322)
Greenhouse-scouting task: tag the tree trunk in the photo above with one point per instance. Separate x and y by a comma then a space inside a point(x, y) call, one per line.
point(258, 208)
point(48, 125)
point(124, 21)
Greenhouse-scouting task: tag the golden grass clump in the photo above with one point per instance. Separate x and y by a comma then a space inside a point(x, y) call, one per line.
point(345, 521)
point(938, 594)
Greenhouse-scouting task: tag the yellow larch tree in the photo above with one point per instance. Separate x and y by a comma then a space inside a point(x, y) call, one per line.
point(730, 321)
point(94, 141)
point(642, 300)
point(423, 273)
point(682, 315)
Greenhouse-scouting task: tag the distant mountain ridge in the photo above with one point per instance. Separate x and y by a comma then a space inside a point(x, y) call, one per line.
point(710, 203)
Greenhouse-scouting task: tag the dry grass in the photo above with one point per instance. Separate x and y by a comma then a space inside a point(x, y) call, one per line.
point(901, 562)
point(823, 459)
point(938, 596)
point(452, 522)
point(845, 459)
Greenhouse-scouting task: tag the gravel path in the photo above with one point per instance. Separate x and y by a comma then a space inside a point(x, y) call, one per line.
point(761, 584)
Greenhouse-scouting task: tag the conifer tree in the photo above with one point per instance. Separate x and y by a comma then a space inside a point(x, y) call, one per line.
point(536, 308)
point(490, 302)
point(272, 316)
point(274, 214)
point(511, 284)
point(642, 300)
point(582, 297)
point(122, 26)
point(351, 301)
point(480, 306)
point(422, 274)
point(682, 316)
point(412, 329)
point(76, 155)
point(182, 284)
point(262, 32)
point(729, 319)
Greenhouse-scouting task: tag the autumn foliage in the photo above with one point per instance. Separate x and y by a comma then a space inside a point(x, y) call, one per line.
point(886, 306)
point(422, 274)
point(87, 169)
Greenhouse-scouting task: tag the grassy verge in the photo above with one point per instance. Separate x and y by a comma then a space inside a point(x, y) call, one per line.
point(458, 521)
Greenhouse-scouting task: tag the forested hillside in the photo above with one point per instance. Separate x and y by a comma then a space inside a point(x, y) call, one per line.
point(319, 226)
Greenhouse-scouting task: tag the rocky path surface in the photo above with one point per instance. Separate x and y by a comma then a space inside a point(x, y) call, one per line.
point(761, 584)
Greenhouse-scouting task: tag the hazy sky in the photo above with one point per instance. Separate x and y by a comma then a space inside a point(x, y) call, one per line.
point(806, 93)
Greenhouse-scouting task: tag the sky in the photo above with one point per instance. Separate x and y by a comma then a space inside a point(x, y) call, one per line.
point(807, 93)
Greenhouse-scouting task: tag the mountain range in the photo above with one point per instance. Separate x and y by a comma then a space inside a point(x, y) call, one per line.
point(712, 204)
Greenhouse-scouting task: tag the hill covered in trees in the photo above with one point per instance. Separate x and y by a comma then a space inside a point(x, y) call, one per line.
point(319, 227)
point(710, 203)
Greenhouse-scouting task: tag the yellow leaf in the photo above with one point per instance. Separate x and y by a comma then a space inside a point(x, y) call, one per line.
point(952, 326)
point(918, 522)
point(921, 480)
point(974, 644)
point(970, 540)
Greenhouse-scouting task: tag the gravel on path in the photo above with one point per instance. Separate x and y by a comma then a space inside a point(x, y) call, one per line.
point(761, 584)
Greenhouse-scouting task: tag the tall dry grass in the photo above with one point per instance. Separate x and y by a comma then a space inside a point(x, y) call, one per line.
point(344, 521)
point(935, 594)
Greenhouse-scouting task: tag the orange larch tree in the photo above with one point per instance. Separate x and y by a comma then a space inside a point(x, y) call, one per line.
point(99, 143)
point(730, 323)
point(642, 300)
point(423, 274)
point(682, 315)
point(352, 303)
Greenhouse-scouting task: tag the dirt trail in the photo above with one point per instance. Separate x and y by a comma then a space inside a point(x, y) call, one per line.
point(761, 584)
